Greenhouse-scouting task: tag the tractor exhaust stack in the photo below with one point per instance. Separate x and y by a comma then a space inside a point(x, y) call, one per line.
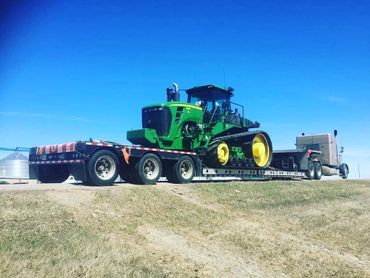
point(173, 93)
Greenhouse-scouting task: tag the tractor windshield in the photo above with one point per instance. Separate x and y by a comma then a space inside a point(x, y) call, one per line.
point(210, 96)
point(215, 101)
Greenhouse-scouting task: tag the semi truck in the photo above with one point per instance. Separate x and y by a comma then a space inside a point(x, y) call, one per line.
point(206, 136)
point(316, 155)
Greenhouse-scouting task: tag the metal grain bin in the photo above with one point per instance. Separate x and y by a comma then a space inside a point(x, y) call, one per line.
point(14, 166)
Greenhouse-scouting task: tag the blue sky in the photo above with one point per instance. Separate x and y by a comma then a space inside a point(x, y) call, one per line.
point(78, 69)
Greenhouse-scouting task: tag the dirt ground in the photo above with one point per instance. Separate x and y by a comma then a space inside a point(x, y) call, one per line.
point(33, 185)
point(235, 229)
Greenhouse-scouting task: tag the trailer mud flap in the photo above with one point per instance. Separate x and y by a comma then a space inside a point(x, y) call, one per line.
point(78, 171)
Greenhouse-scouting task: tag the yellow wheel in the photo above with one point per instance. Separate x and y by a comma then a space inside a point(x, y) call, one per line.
point(223, 153)
point(261, 150)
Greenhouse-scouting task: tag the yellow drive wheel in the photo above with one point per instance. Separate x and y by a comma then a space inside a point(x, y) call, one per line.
point(223, 153)
point(261, 150)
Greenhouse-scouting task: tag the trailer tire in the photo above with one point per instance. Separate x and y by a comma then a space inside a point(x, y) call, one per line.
point(318, 170)
point(53, 173)
point(310, 171)
point(102, 168)
point(344, 171)
point(182, 171)
point(148, 169)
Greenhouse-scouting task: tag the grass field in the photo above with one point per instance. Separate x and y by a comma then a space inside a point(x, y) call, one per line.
point(237, 229)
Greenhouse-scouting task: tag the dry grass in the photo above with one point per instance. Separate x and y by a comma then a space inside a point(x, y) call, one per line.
point(262, 229)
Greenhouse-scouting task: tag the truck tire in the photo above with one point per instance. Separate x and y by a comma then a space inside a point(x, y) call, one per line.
point(310, 171)
point(318, 170)
point(53, 173)
point(344, 171)
point(102, 168)
point(148, 169)
point(182, 171)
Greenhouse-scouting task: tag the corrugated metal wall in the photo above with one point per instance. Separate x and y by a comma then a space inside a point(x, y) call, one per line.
point(14, 166)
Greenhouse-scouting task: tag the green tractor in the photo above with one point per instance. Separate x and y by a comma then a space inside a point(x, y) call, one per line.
point(208, 124)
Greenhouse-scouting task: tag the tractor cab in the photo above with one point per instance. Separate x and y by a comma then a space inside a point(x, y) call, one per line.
point(214, 101)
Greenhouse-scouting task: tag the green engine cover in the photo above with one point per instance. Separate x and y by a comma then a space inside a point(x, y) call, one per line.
point(166, 125)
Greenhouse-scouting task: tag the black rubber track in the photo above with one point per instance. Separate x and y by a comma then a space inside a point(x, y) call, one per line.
point(237, 139)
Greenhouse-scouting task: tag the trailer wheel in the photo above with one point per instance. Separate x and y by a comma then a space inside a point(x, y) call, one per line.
point(344, 171)
point(148, 169)
point(102, 168)
point(53, 173)
point(310, 171)
point(318, 170)
point(182, 171)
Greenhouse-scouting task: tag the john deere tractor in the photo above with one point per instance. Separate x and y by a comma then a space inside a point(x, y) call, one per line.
point(208, 124)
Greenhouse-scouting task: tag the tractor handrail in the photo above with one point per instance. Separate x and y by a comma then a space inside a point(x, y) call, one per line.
point(239, 105)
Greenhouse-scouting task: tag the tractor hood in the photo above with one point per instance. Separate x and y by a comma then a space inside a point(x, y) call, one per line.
point(162, 124)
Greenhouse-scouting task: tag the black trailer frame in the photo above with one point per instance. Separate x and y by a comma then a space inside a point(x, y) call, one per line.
point(48, 159)
point(77, 160)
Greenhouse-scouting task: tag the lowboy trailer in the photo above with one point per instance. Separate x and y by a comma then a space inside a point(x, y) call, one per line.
point(100, 163)
point(316, 155)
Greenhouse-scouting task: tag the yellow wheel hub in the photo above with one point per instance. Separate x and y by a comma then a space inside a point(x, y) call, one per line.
point(223, 153)
point(260, 150)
